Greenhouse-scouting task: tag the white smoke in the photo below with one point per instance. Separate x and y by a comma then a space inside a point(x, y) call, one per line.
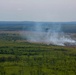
point(48, 34)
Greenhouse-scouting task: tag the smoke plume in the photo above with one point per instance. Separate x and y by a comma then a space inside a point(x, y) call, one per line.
point(48, 34)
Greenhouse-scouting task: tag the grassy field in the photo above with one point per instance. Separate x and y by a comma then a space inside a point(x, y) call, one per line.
point(23, 58)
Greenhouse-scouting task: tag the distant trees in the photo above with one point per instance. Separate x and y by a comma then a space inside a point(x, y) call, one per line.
point(9, 58)
point(10, 36)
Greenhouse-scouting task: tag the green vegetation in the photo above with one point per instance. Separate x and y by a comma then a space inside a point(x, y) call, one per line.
point(23, 58)
point(10, 36)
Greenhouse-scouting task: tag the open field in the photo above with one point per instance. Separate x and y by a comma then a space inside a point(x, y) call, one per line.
point(23, 58)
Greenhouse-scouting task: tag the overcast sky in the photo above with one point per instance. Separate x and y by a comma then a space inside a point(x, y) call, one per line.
point(38, 10)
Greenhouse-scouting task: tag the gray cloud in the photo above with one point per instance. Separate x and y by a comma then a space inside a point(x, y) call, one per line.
point(38, 10)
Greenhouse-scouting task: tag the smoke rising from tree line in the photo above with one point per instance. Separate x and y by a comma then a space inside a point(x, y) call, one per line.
point(48, 34)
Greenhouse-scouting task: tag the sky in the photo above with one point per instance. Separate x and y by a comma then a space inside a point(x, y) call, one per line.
point(38, 10)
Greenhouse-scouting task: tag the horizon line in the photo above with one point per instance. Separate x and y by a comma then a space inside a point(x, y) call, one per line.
point(31, 21)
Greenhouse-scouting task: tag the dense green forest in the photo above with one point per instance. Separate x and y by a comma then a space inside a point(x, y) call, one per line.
point(23, 58)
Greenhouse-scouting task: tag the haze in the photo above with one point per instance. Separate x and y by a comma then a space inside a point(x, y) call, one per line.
point(38, 10)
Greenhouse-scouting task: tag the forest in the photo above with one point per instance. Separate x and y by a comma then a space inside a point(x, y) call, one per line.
point(24, 25)
point(23, 58)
